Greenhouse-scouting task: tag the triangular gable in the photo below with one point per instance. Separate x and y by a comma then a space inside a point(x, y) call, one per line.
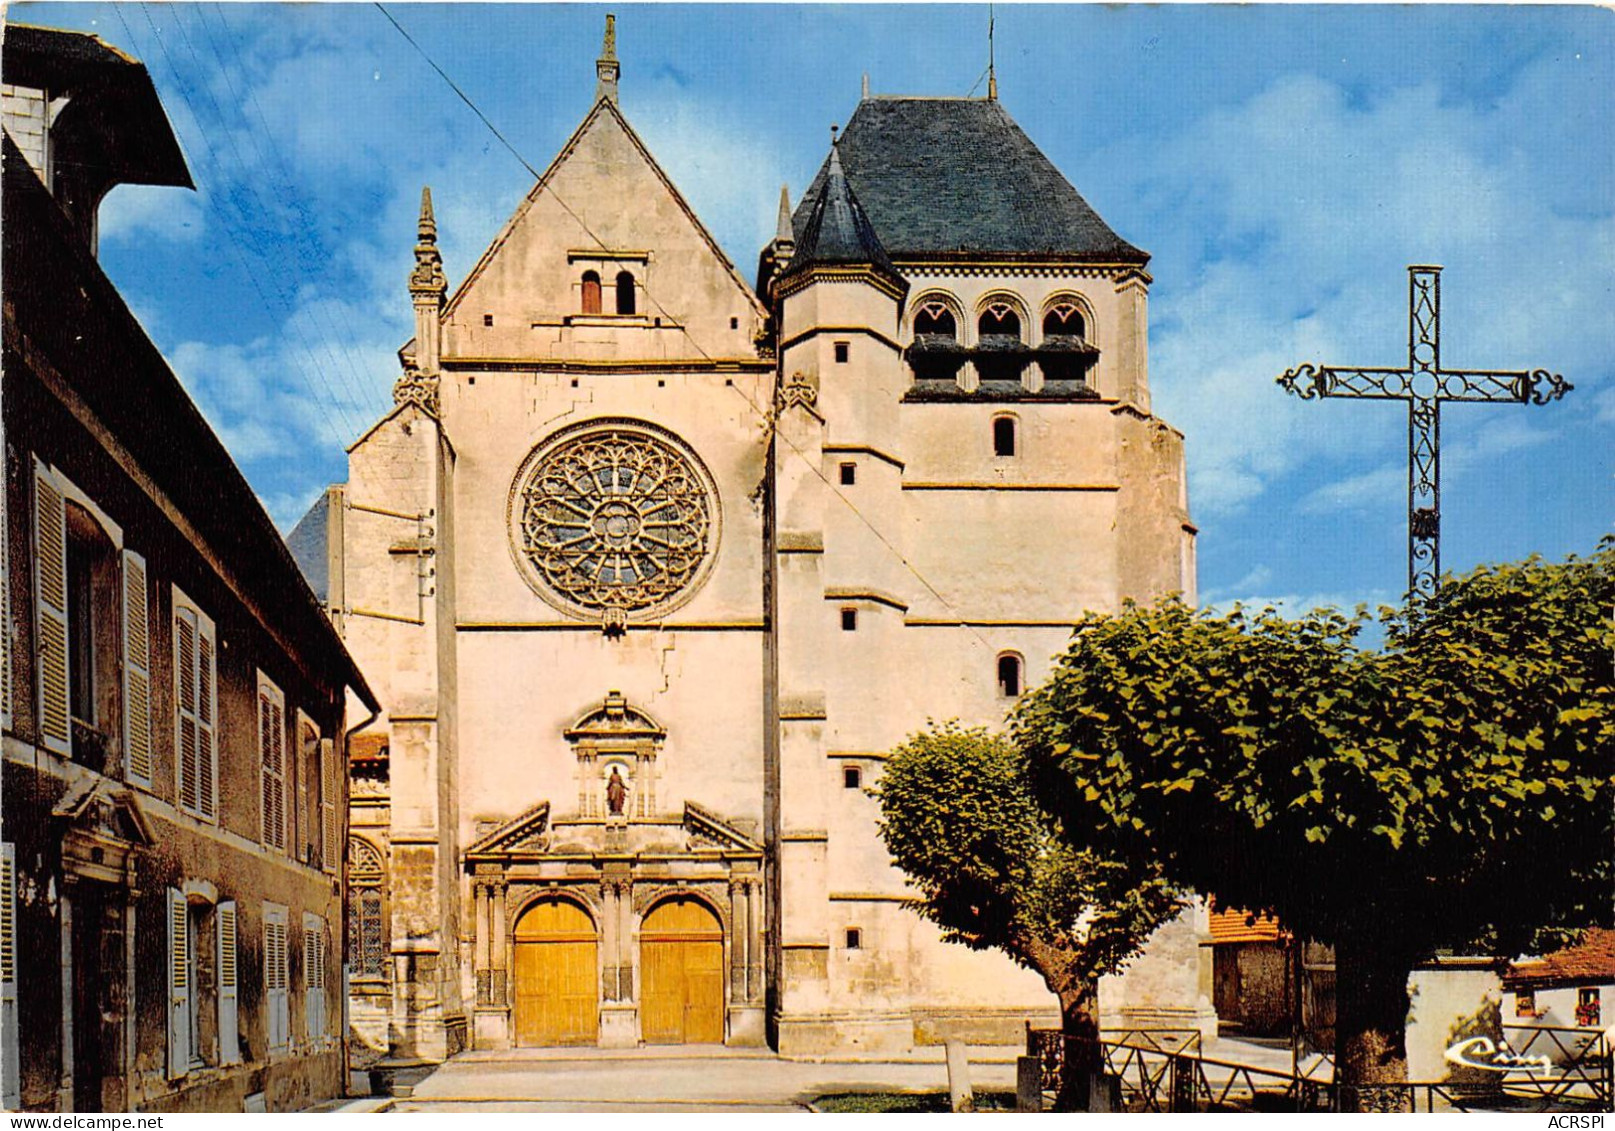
point(99, 807)
point(583, 224)
point(511, 836)
point(707, 825)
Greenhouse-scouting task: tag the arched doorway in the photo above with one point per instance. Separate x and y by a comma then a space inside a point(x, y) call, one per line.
point(681, 962)
point(557, 976)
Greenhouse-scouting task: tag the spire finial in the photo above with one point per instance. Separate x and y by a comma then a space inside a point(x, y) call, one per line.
point(866, 84)
point(992, 70)
point(782, 230)
point(428, 223)
point(606, 68)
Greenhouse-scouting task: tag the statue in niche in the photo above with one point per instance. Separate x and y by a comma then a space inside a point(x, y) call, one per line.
point(616, 793)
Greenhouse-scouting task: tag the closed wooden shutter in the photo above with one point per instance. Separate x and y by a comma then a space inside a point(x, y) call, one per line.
point(136, 671)
point(272, 760)
point(330, 798)
point(179, 986)
point(229, 1033)
point(313, 978)
point(275, 989)
point(185, 739)
point(207, 747)
point(10, 1062)
point(50, 587)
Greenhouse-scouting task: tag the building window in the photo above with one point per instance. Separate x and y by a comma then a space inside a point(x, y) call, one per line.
point(314, 956)
point(852, 777)
point(195, 710)
point(367, 926)
point(843, 352)
point(1009, 675)
point(1588, 1013)
point(1525, 1003)
point(92, 636)
point(625, 292)
point(277, 980)
point(201, 983)
point(487, 320)
point(849, 620)
point(855, 938)
point(1064, 321)
point(591, 292)
point(934, 319)
point(1003, 436)
point(272, 763)
point(999, 321)
point(734, 323)
point(849, 474)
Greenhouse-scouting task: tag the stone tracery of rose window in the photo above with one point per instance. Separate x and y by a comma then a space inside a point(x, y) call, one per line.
point(615, 518)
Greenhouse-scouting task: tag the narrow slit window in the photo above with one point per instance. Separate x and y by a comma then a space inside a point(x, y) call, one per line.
point(1004, 436)
point(487, 320)
point(843, 352)
point(1009, 676)
point(852, 778)
point(591, 292)
point(849, 620)
point(625, 292)
point(849, 474)
point(855, 938)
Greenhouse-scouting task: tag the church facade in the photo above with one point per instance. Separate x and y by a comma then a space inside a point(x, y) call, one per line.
point(650, 564)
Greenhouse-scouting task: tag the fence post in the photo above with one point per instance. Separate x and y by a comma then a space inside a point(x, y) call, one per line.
point(960, 1097)
point(1028, 1083)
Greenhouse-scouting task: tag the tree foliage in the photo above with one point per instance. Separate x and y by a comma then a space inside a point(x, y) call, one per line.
point(1452, 786)
point(959, 817)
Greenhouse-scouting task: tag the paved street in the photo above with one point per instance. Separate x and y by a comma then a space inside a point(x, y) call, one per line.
point(715, 1079)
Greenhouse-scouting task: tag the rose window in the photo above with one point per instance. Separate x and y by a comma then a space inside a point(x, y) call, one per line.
point(616, 518)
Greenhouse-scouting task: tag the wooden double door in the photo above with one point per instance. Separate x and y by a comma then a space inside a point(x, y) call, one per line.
point(681, 974)
point(557, 976)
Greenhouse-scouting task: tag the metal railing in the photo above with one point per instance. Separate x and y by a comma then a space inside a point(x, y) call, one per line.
point(1167, 1070)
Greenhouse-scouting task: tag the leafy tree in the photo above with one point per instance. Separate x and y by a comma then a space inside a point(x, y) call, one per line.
point(1454, 785)
point(959, 817)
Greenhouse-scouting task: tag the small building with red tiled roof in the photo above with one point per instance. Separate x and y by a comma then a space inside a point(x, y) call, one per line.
point(1571, 986)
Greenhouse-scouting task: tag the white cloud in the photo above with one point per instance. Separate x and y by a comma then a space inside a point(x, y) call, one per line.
point(158, 213)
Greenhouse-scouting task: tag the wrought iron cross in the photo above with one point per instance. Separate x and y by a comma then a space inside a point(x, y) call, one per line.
point(1424, 385)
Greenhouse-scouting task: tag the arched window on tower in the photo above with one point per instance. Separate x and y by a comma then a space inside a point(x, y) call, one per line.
point(1009, 675)
point(625, 292)
point(1004, 438)
point(1065, 321)
point(591, 292)
point(1001, 354)
point(935, 354)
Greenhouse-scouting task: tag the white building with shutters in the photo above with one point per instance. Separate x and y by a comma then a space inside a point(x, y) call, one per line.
point(175, 704)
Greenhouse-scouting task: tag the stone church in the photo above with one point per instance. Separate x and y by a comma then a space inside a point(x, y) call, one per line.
point(651, 564)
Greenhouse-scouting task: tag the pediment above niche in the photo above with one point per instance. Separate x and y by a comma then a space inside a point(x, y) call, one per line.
point(615, 719)
point(104, 827)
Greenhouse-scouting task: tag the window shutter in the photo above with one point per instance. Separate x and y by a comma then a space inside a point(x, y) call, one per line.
point(272, 755)
point(207, 751)
point(275, 1016)
point(311, 970)
point(10, 1063)
point(50, 586)
point(5, 607)
point(185, 709)
point(136, 671)
point(179, 986)
point(229, 1038)
point(330, 796)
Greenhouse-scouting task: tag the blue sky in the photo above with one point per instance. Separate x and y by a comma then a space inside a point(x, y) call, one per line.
point(1283, 165)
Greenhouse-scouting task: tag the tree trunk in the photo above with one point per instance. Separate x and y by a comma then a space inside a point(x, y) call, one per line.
point(1371, 1015)
point(1083, 1062)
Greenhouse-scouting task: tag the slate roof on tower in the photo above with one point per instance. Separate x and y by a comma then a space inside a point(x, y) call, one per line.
point(837, 231)
point(957, 178)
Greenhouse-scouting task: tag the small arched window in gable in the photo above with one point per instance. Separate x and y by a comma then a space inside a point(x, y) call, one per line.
point(1009, 675)
point(934, 318)
point(999, 321)
point(625, 292)
point(591, 292)
point(1065, 321)
point(1004, 438)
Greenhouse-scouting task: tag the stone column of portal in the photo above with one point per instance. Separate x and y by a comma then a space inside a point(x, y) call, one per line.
point(619, 1018)
point(483, 929)
point(754, 965)
point(739, 936)
point(491, 1017)
point(499, 948)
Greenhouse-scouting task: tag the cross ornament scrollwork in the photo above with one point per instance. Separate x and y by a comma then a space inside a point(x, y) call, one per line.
point(1424, 384)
